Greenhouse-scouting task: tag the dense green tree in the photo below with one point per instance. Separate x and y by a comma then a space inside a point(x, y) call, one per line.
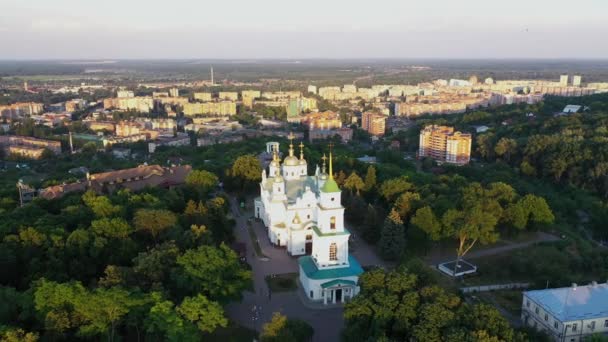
point(214, 271)
point(392, 238)
point(282, 329)
point(10, 334)
point(164, 321)
point(202, 180)
point(154, 221)
point(246, 171)
point(405, 203)
point(153, 267)
point(101, 205)
point(392, 188)
point(506, 147)
point(396, 306)
point(370, 178)
point(354, 183)
point(205, 314)
point(115, 228)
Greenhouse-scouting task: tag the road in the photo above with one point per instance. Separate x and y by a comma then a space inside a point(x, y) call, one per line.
point(436, 258)
point(327, 322)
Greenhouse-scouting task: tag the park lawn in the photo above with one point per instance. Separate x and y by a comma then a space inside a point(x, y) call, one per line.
point(232, 333)
point(282, 282)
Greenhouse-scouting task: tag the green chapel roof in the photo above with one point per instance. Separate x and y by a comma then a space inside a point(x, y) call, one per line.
point(330, 186)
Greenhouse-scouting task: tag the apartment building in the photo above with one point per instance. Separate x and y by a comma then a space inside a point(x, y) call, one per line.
point(374, 124)
point(229, 95)
point(125, 93)
point(281, 95)
point(74, 105)
point(249, 96)
point(203, 97)
point(322, 120)
point(100, 125)
point(567, 314)
point(295, 106)
point(27, 146)
point(142, 104)
point(174, 92)
point(156, 94)
point(444, 144)
point(210, 108)
point(127, 128)
point(20, 109)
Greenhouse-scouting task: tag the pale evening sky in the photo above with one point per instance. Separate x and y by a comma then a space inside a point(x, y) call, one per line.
point(78, 29)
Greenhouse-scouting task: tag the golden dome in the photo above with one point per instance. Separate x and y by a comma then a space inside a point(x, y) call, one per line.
point(291, 161)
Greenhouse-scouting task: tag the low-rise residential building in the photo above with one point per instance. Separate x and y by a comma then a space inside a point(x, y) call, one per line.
point(100, 125)
point(134, 179)
point(567, 314)
point(444, 144)
point(181, 139)
point(346, 134)
point(109, 141)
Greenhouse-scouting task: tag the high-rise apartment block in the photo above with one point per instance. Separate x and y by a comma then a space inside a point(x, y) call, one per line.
point(125, 93)
point(203, 97)
point(174, 92)
point(563, 80)
point(222, 108)
point(374, 124)
point(577, 80)
point(312, 89)
point(229, 95)
point(444, 144)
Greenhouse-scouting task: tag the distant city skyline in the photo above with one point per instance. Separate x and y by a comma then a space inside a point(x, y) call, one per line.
point(471, 29)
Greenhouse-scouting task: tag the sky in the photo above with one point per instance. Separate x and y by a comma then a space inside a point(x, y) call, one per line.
point(237, 29)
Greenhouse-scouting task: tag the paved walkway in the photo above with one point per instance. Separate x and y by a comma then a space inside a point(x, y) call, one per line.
point(327, 323)
point(436, 258)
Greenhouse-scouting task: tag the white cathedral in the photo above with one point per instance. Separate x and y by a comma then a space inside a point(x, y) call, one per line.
point(305, 214)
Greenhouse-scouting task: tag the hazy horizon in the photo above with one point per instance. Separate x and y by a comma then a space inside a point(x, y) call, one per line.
point(273, 29)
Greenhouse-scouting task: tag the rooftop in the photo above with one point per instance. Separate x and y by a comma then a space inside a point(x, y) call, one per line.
point(320, 233)
point(573, 303)
point(310, 268)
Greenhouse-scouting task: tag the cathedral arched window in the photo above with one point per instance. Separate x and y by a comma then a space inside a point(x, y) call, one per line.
point(333, 252)
point(332, 222)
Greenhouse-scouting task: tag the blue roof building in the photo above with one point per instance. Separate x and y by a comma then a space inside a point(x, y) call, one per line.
point(568, 314)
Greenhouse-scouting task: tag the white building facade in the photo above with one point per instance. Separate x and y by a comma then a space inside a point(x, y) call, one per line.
point(305, 215)
point(568, 314)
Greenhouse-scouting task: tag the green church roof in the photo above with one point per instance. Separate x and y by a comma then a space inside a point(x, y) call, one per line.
point(336, 282)
point(309, 267)
point(330, 186)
